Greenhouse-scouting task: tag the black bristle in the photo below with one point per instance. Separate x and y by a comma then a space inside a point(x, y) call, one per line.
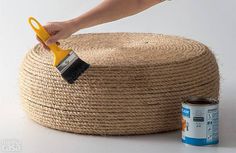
point(75, 70)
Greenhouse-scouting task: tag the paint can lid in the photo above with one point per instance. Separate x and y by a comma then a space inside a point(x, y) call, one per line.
point(198, 100)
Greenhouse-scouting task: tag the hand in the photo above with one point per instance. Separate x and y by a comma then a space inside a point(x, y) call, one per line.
point(57, 31)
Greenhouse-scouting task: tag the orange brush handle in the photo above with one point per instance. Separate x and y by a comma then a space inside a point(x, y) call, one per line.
point(59, 54)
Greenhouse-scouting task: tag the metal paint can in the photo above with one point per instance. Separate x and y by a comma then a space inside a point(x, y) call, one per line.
point(200, 120)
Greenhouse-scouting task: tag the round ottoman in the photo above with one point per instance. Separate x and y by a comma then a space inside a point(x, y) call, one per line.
point(135, 83)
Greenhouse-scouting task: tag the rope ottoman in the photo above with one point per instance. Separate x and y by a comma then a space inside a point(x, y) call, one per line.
point(135, 83)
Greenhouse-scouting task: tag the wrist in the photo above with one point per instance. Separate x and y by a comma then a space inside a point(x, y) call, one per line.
point(80, 22)
point(73, 25)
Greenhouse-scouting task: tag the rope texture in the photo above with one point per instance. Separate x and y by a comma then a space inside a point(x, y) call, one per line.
point(135, 84)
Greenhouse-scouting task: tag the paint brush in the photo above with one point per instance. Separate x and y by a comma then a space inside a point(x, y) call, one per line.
point(67, 62)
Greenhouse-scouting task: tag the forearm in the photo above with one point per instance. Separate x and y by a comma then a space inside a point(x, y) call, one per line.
point(107, 11)
point(111, 10)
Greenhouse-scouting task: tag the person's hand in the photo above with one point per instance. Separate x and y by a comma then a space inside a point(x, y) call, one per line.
point(57, 31)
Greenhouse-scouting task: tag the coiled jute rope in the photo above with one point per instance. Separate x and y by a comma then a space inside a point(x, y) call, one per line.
point(135, 83)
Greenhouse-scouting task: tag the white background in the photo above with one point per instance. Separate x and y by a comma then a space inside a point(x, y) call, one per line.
point(212, 22)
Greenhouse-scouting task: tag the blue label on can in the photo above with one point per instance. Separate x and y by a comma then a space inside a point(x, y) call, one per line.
point(199, 141)
point(185, 112)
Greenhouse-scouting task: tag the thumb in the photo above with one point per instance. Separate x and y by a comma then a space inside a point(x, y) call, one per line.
point(53, 39)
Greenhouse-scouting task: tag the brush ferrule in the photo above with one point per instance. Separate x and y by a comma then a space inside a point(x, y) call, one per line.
point(67, 61)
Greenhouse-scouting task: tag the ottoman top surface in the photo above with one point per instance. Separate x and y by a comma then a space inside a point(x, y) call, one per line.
point(119, 49)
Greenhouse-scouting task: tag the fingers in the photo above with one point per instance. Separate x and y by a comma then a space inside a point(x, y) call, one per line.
point(51, 28)
point(53, 39)
point(44, 45)
point(54, 30)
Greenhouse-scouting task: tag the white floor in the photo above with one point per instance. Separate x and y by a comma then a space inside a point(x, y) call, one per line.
point(29, 137)
point(208, 21)
point(26, 136)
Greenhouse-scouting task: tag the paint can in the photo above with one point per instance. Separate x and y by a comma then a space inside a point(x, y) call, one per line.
point(200, 121)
